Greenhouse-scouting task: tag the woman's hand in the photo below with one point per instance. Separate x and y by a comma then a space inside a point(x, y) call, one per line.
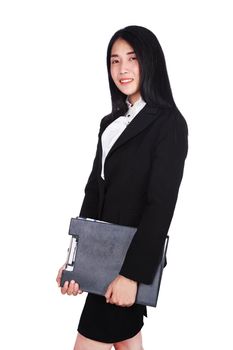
point(70, 288)
point(121, 291)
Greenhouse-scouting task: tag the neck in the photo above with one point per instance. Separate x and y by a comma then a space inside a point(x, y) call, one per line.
point(134, 99)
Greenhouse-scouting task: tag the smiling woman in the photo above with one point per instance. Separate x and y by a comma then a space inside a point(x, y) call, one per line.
point(125, 70)
point(134, 181)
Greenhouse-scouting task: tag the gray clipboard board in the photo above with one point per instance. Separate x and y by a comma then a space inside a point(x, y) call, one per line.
point(96, 254)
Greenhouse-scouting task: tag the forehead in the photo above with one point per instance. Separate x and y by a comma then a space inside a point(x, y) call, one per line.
point(121, 46)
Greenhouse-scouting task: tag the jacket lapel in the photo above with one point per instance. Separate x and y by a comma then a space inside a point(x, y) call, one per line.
point(141, 121)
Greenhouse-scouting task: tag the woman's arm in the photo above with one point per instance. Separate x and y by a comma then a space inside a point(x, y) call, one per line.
point(89, 207)
point(143, 255)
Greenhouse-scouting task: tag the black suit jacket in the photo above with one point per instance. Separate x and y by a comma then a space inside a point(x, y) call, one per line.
point(143, 171)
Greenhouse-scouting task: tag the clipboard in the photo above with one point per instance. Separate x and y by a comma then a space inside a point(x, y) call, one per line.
point(95, 256)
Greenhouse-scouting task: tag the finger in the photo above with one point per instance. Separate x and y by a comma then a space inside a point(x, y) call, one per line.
point(112, 301)
point(58, 279)
point(128, 305)
point(108, 294)
point(108, 291)
point(76, 289)
point(79, 290)
point(70, 289)
point(65, 287)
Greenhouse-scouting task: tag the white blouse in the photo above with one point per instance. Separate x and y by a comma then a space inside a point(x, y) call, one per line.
point(114, 130)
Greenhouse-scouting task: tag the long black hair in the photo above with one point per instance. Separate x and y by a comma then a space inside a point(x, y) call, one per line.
point(154, 82)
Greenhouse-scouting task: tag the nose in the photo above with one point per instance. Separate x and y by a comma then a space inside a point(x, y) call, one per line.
point(124, 68)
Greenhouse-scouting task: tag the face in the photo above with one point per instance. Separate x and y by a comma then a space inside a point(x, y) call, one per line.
point(125, 70)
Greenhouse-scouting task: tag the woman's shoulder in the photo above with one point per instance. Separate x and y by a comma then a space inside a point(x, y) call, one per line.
point(171, 118)
point(105, 118)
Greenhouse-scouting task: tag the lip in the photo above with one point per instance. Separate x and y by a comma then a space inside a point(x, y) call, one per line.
point(125, 81)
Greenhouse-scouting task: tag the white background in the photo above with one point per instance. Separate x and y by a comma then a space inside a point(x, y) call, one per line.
point(54, 91)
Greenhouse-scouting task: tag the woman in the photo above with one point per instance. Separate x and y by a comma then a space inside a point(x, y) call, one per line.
point(135, 179)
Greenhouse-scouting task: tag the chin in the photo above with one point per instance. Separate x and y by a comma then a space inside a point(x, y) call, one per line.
point(128, 92)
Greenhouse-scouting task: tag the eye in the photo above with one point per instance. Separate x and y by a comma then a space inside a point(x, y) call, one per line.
point(133, 58)
point(114, 61)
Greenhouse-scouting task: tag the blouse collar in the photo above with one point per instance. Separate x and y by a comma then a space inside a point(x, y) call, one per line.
point(140, 101)
point(136, 107)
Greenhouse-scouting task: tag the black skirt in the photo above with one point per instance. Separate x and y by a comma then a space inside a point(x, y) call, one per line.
point(110, 323)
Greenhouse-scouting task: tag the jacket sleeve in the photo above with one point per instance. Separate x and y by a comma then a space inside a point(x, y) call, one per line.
point(89, 207)
point(168, 158)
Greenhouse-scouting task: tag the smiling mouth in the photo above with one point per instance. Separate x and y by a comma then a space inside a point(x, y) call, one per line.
point(125, 81)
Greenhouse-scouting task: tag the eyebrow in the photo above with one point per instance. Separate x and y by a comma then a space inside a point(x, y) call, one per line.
point(128, 53)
